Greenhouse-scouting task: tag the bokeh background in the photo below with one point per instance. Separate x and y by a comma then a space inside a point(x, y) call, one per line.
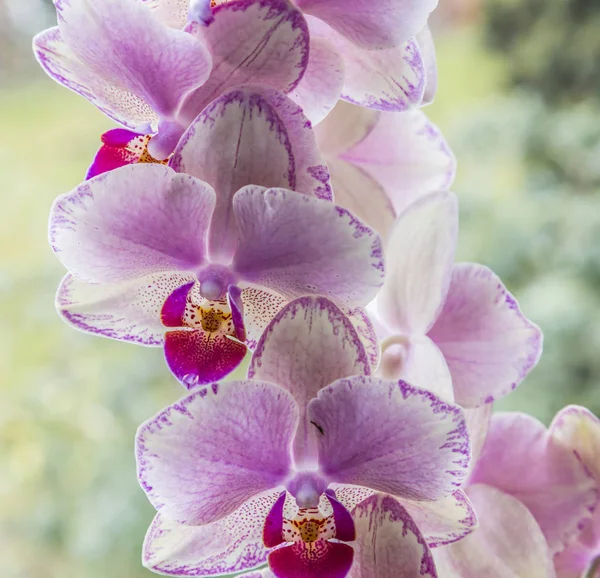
point(519, 102)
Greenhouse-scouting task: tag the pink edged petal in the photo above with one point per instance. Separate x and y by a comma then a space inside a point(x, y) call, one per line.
point(131, 222)
point(417, 361)
point(59, 62)
point(363, 196)
point(227, 146)
point(296, 244)
point(372, 24)
point(309, 344)
point(443, 521)
point(427, 48)
point(180, 451)
point(389, 543)
point(407, 155)
point(425, 458)
point(322, 559)
point(490, 346)
point(419, 269)
point(507, 544)
point(199, 357)
point(124, 44)
point(322, 83)
point(230, 545)
point(262, 43)
point(521, 458)
point(128, 311)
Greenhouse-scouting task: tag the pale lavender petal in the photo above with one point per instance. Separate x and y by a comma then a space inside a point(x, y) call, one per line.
point(322, 83)
point(128, 311)
point(227, 146)
point(581, 554)
point(308, 345)
point(507, 544)
point(131, 222)
point(262, 43)
point(389, 543)
point(173, 13)
point(443, 521)
point(296, 244)
point(408, 156)
point(423, 458)
point(419, 268)
point(232, 544)
point(490, 346)
point(427, 48)
point(478, 424)
point(56, 58)
point(541, 472)
point(366, 332)
point(372, 23)
point(180, 451)
point(123, 43)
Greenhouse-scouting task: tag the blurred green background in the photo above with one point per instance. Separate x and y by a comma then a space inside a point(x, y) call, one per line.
point(519, 103)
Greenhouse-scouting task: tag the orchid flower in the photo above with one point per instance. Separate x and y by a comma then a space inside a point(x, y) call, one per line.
point(380, 162)
point(453, 327)
point(532, 495)
point(318, 473)
point(579, 430)
point(152, 69)
point(199, 255)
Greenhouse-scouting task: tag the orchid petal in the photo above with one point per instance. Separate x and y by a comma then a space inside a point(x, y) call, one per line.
point(314, 560)
point(580, 555)
point(173, 13)
point(227, 146)
point(418, 276)
point(231, 545)
point(308, 345)
point(490, 346)
point(128, 311)
point(120, 147)
point(427, 48)
point(131, 222)
point(123, 43)
point(296, 244)
point(389, 544)
point(478, 424)
point(180, 451)
point(361, 442)
point(507, 544)
point(260, 306)
point(372, 24)
point(540, 472)
point(366, 332)
point(262, 43)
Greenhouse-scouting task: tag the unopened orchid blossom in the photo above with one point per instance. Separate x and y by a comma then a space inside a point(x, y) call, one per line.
point(199, 255)
point(327, 473)
point(450, 326)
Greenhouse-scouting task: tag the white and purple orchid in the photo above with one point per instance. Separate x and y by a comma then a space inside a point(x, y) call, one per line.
point(198, 256)
point(327, 473)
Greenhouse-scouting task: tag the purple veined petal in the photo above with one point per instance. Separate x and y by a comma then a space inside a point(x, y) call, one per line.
point(427, 48)
point(173, 13)
point(231, 545)
point(123, 43)
point(418, 361)
point(296, 244)
point(128, 311)
point(356, 190)
point(322, 83)
point(59, 62)
point(419, 270)
point(425, 459)
point(372, 24)
point(131, 222)
point(444, 521)
point(490, 346)
point(507, 544)
point(309, 344)
point(322, 558)
point(542, 473)
point(389, 544)
point(407, 155)
point(180, 451)
point(227, 146)
point(260, 306)
point(198, 357)
point(260, 43)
